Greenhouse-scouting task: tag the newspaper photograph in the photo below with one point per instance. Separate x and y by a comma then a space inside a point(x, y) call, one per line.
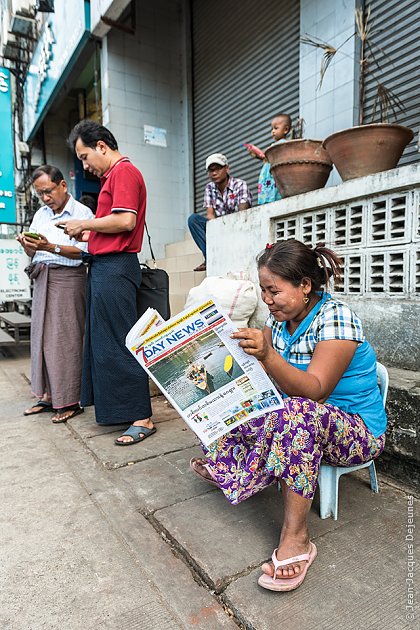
point(207, 377)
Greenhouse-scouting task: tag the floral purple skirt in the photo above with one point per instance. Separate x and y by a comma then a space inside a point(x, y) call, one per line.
point(289, 444)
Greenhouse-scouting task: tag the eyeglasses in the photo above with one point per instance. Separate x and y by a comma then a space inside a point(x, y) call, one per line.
point(46, 193)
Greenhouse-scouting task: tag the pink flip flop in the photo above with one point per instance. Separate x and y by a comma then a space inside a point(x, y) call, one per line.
point(195, 462)
point(287, 584)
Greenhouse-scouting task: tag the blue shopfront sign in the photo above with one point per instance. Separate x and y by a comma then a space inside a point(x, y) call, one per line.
point(7, 170)
point(64, 34)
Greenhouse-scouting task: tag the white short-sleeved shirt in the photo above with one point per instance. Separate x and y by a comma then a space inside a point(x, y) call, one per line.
point(44, 223)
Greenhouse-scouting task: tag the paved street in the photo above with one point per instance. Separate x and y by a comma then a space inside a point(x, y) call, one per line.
point(99, 536)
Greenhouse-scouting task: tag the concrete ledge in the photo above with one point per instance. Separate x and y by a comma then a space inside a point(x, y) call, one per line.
point(392, 328)
point(401, 459)
point(402, 178)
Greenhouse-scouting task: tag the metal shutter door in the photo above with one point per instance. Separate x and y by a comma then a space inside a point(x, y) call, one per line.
point(397, 50)
point(245, 70)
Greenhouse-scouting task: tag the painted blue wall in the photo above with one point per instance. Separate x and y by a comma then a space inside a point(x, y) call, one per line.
point(7, 177)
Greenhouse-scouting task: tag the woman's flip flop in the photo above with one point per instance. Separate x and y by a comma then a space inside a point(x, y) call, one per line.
point(287, 584)
point(196, 463)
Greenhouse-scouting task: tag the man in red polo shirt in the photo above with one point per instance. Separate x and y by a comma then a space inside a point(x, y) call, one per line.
point(112, 379)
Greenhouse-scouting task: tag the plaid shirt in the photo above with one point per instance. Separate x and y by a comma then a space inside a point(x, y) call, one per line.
point(235, 193)
point(335, 320)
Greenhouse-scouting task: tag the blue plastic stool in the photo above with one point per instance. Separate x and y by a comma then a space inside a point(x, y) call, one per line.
point(329, 476)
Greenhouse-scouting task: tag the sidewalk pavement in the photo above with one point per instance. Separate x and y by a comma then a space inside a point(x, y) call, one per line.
point(124, 538)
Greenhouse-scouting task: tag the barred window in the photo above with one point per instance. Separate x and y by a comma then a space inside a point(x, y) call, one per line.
point(286, 229)
point(416, 267)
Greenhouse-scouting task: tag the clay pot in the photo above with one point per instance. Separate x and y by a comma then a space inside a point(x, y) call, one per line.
point(367, 149)
point(299, 166)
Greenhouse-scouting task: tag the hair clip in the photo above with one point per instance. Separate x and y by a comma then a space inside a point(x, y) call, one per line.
point(318, 260)
point(269, 246)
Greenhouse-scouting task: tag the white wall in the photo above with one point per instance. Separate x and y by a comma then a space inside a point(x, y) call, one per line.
point(144, 82)
point(335, 105)
point(56, 130)
point(111, 9)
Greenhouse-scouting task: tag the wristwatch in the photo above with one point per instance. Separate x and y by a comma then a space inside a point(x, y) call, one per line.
point(57, 249)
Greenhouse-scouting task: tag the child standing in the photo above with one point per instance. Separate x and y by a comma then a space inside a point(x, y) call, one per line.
point(267, 189)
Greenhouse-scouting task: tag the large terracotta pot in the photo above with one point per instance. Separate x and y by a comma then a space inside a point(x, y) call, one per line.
point(299, 166)
point(367, 149)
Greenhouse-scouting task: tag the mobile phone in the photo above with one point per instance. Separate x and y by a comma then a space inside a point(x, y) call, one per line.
point(34, 235)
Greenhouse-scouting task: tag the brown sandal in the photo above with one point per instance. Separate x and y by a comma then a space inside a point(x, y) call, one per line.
point(44, 406)
point(196, 463)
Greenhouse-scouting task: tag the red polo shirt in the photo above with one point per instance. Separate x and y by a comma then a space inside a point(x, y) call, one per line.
point(122, 190)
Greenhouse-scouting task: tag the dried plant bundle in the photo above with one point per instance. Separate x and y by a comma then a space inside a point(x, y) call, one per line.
point(327, 57)
point(362, 24)
point(329, 52)
point(297, 129)
point(386, 102)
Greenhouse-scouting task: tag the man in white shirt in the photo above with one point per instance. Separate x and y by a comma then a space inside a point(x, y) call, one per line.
point(58, 305)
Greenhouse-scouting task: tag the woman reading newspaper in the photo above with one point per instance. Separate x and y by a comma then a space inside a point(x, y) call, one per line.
point(313, 346)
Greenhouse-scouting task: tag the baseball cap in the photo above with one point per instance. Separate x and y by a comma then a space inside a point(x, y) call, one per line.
point(216, 158)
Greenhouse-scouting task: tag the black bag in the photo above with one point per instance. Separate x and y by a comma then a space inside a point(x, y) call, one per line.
point(154, 288)
point(153, 291)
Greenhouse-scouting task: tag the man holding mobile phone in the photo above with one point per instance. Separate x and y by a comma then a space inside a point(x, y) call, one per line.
point(112, 379)
point(58, 305)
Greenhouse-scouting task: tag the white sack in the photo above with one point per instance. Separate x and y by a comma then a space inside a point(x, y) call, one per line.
point(236, 296)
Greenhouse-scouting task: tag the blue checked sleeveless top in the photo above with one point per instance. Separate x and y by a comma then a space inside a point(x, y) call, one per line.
point(357, 392)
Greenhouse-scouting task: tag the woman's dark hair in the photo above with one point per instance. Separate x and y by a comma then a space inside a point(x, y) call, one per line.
point(292, 260)
point(90, 133)
point(54, 173)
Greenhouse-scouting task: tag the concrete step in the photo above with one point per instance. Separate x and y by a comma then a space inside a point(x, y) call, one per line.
point(177, 302)
point(180, 263)
point(182, 281)
point(181, 248)
point(180, 260)
point(401, 458)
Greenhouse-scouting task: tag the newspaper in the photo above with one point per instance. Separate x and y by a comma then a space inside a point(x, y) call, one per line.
point(205, 375)
point(148, 322)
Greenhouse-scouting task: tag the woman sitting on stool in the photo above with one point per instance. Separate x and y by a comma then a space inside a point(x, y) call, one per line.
point(313, 346)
